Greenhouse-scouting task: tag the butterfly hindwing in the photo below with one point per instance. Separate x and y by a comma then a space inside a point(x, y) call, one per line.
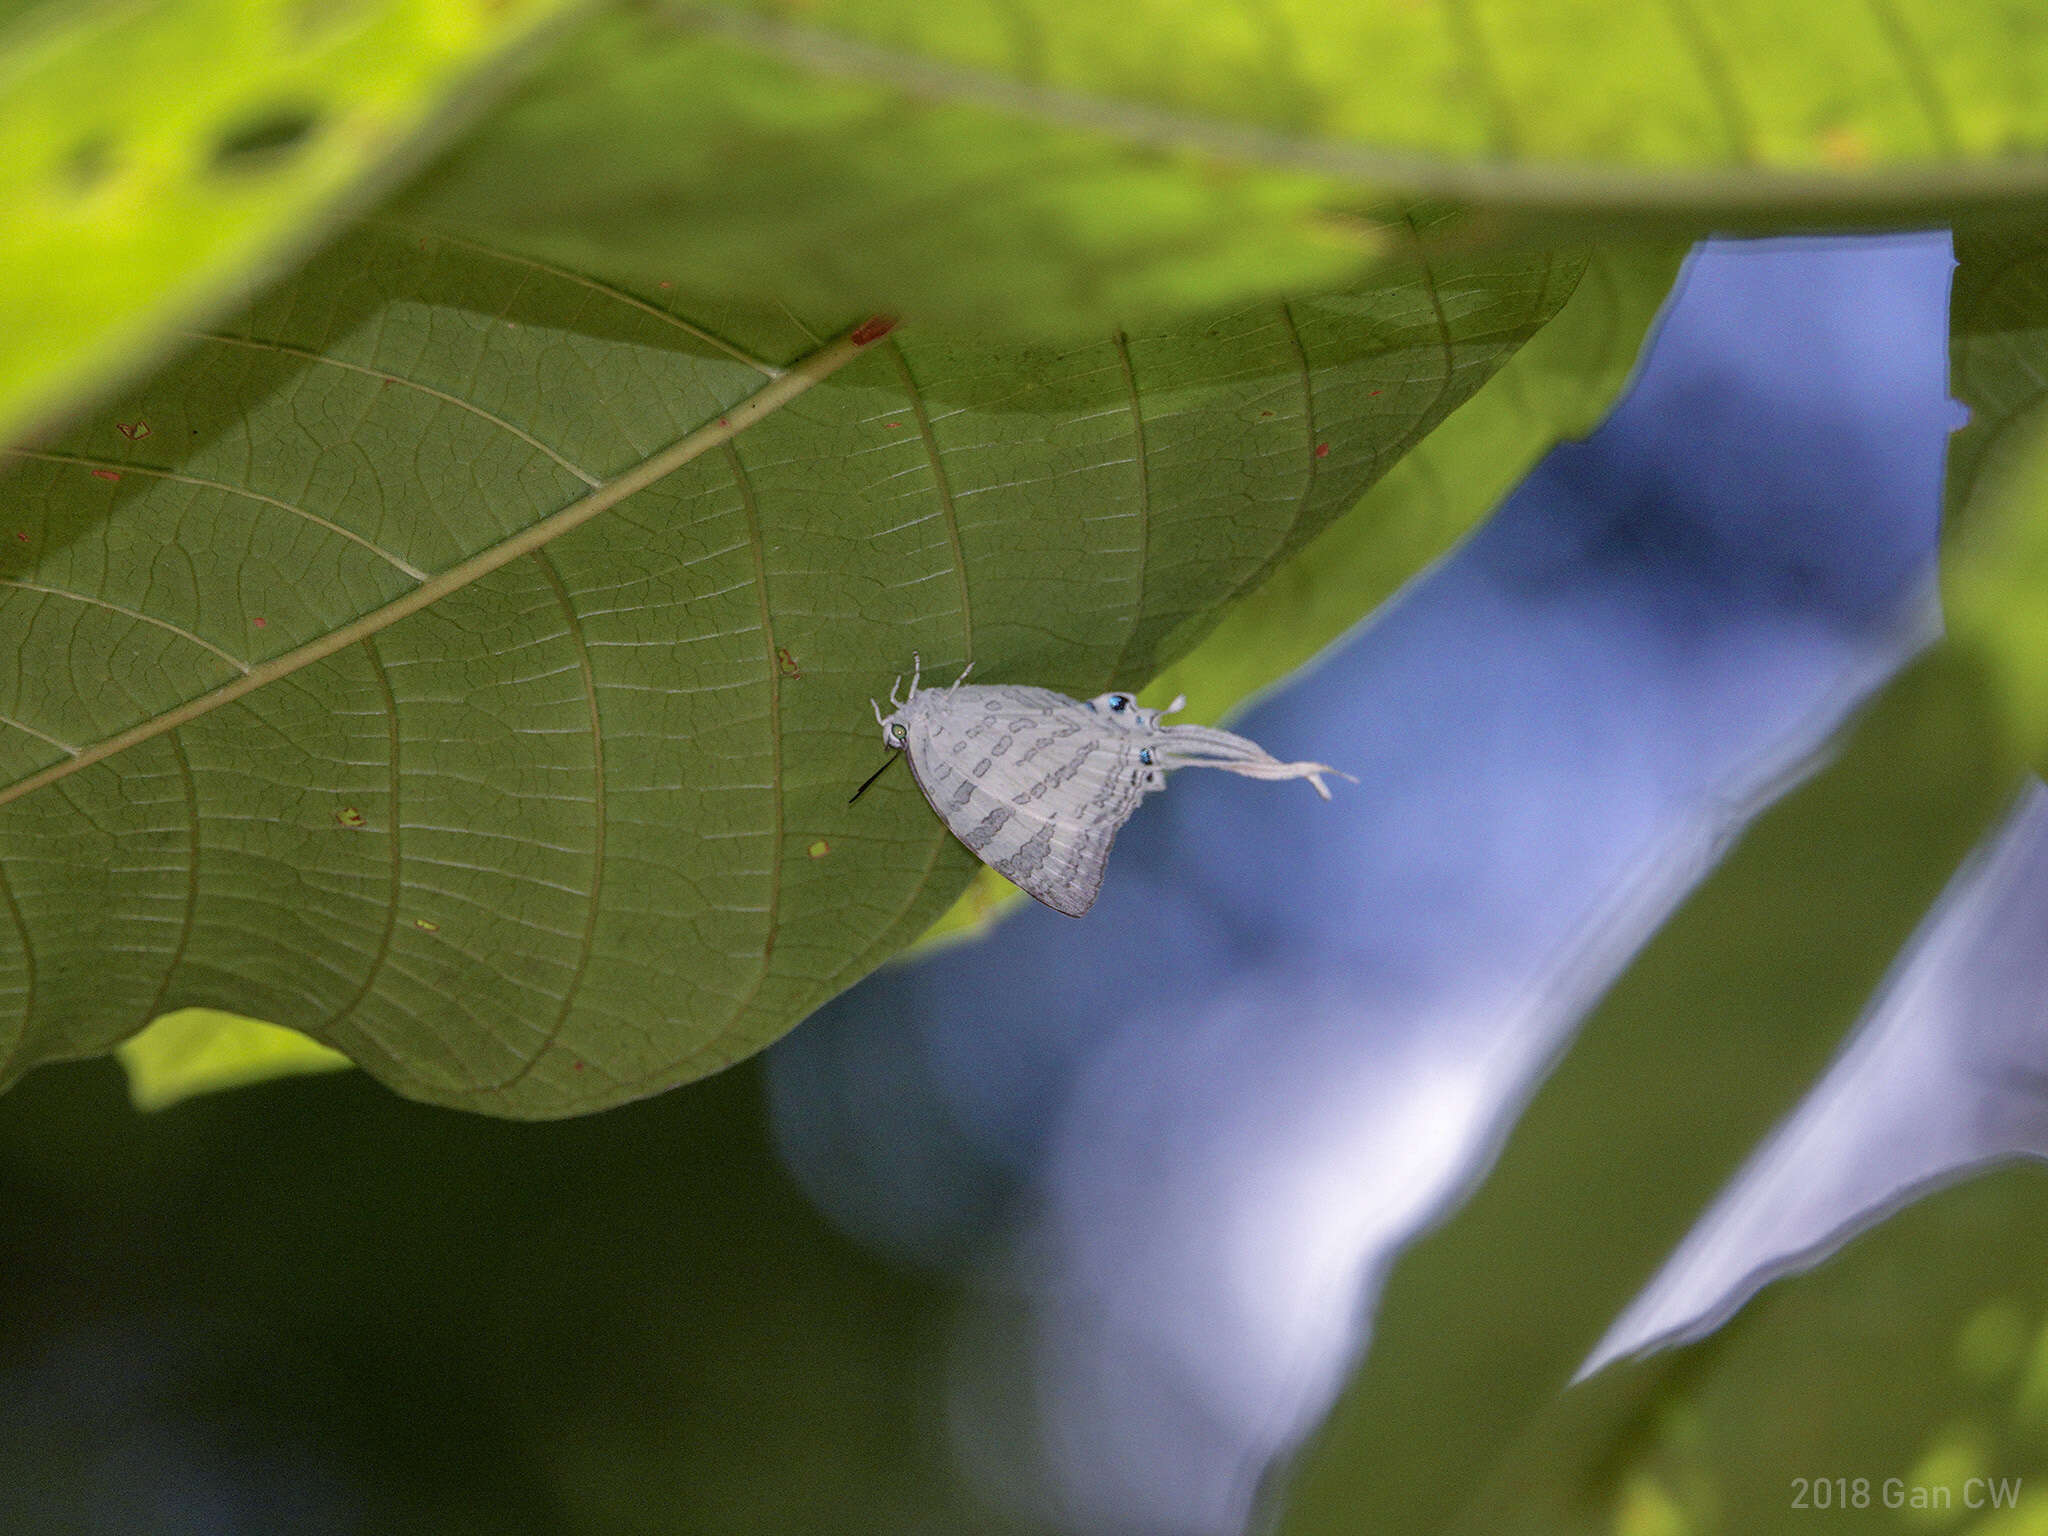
point(1031, 781)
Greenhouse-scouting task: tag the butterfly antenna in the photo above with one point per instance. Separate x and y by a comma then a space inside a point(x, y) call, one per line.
point(874, 776)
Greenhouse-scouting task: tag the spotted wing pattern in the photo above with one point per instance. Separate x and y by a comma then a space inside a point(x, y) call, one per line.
point(1036, 784)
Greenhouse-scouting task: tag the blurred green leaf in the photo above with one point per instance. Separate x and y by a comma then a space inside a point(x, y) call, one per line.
point(1703, 1044)
point(197, 1050)
point(1995, 523)
point(1896, 1387)
point(624, 1325)
point(648, 152)
point(158, 155)
point(535, 835)
point(1046, 167)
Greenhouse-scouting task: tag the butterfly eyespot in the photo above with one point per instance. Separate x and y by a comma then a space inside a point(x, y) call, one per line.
point(1145, 756)
point(1119, 702)
point(899, 733)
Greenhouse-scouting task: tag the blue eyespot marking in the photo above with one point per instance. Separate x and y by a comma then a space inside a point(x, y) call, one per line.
point(1145, 756)
point(1119, 702)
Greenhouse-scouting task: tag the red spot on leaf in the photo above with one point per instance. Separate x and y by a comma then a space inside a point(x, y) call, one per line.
point(21, 538)
point(872, 330)
point(577, 1066)
point(786, 663)
point(1322, 450)
point(664, 283)
point(134, 431)
point(349, 816)
point(723, 422)
point(106, 474)
point(260, 622)
point(1374, 395)
point(892, 425)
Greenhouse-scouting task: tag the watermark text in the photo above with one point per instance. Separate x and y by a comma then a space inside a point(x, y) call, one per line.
point(1904, 1493)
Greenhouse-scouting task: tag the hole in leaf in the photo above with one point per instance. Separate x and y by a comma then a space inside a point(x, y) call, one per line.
point(260, 140)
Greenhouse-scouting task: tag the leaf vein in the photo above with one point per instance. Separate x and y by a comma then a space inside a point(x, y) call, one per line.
point(763, 402)
point(259, 344)
point(225, 488)
point(1717, 77)
point(586, 941)
point(1705, 195)
point(395, 888)
point(61, 746)
point(28, 966)
point(604, 290)
point(772, 912)
point(943, 488)
point(1141, 460)
point(1913, 65)
point(128, 613)
point(190, 913)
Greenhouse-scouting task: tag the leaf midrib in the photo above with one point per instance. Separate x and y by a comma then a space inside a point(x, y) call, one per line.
point(1700, 194)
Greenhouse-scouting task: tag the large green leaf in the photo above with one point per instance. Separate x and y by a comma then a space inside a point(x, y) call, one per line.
point(1555, 387)
point(155, 155)
point(1049, 165)
point(1706, 1041)
point(331, 711)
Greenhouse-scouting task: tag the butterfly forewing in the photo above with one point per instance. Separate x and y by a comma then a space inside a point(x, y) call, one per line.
point(1031, 782)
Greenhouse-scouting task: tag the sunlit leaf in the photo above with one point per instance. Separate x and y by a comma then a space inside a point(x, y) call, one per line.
point(1052, 167)
point(154, 156)
point(196, 1050)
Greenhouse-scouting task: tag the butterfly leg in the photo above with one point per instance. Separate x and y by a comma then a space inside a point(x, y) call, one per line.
point(899, 703)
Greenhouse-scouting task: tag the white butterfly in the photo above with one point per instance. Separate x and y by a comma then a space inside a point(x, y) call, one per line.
point(1037, 785)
